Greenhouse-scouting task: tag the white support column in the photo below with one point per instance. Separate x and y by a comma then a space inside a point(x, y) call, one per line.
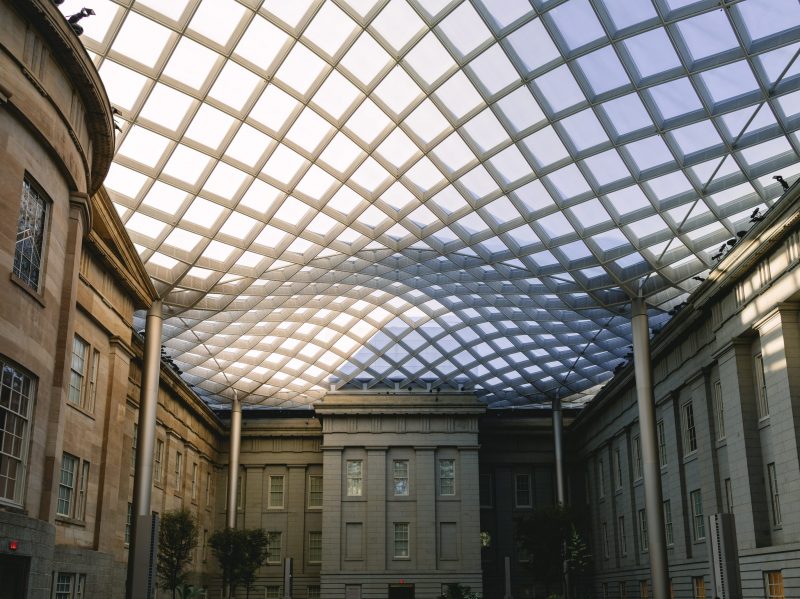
point(138, 555)
point(654, 503)
point(233, 459)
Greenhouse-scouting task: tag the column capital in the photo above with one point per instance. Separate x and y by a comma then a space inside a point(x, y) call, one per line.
point(781, 310)
point(82, 202)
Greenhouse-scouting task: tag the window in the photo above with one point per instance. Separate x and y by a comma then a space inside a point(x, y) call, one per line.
point(699, 587)
point(601, 479)
point(774, 583)
point(66, 485)
point(761, 388)
point(643, 529)
point(83, 483)
point(637, 457)
point(604, 587)
point(485, 485)
point(272, 592)
point(355, 477)
point(276, 491)
point(617, 470)
point(314, 491)
point(178, 471)
point(77, 370)
point(158, 459)
point(70, 585)
point(240, 493)
point(315, 547)
point(312, 591)
point(623, 590)
point(16, 399)
point(728, 496)
point(644, 591)
point(623, 541)
point(134, 444)
point(668, 523)
point(522, 490)
point(401, 540)
point(274, 539)
point(447, 477)
point(719, 411)
point(662, 443)
point(29, 248)
point(689, 432)
point(400, 477)
point(209, 483)
point(604, 534)
point(775, 500)
point(128, 522)
point(698, 523)
point(204, 546)
point(194, 481)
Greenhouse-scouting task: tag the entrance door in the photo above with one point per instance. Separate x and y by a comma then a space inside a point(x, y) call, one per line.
point(14, 576)
point(401, 591)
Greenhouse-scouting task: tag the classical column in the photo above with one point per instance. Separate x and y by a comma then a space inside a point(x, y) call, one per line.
point(654, 503)
point(138, 555)
point(233, 459)
point(558, 446)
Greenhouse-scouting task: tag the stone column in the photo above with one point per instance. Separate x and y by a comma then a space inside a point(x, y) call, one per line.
point(233, 460)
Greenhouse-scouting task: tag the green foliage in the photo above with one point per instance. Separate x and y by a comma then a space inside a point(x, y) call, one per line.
point(579, 559)
point(177, 537)
point(240, 553)
point(188, 591)
point(458, 591)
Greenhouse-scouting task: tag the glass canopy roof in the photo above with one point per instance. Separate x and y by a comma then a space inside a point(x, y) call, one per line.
point(432, 194)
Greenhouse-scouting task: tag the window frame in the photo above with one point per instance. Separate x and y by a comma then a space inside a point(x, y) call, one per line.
point(195, 471)
point(604, 537)
point(698, 517)
point(354, 481)
point(315, 546)
point(773, 584)
point(637, 458)
point(762, 398)
point(643, 540)
point(698, 587)
point(20, 387)
point(400, 530)
point(528, 491)
point(178, 472)
point(312, 491)
point(616, 458)
point(669, 533)
point(621, 536)
point(601, 478)
point(271, 535)
point(158, 463)
point(273, 492)
point(719, 411)
point(688, 428)
point(661, 438)
point(774, 496)
point(447, 481)
point(32, 188)
point(728, 489)
point(66, 490)
point(399, 478)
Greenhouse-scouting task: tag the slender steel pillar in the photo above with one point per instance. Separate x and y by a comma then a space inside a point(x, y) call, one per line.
point(558, 442)
point(143, 476)
point(233, 459)
point(654, 502)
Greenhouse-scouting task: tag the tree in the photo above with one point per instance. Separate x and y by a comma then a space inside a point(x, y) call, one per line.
point(177, 537)
point(240, 554)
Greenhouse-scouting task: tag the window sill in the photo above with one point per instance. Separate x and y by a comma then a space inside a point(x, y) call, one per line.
point(80, 409)
point(24, 286)
point(70, 521)
point(763, 422)
point(401, 559)
point(690, 457)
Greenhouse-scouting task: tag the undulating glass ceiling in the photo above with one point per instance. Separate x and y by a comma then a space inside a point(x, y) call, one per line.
point(421, 193)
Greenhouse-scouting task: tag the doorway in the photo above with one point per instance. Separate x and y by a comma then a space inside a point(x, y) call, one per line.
point(14, 574)
point(401, 591)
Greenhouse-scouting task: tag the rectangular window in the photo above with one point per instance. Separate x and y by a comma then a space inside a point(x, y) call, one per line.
point(312, 591)
point(401, 539)
point(699, 587)
point(65, 584)
point(178, 472)
point(355, 477)
point(617, 470)
point(623, 541)
point(158, 459)
point(662, 443)
point(66, 486)
point(16, 399)
point(29, 247)
point(643, 529)
point(644, 590)
point(128, 522)
point(485, 484)
point(601, 479)
point(637, 457)
point(522, 490)
point(315, 547)
point(77, 371)
point(668, 523)
point(719, 411)
point(774, 583)
point(604, 587)
point(698, 522)
point(761, 388)
point(728, 496)
point(604, 535)
point(623, 590)
point(689, 432)
point(240, 493)
point(447, 477)
point(194, 481)
point(274, 540)
point(83, 484)
point(134, 444)
point(314, 491)
point(209, 483)
point(272, 592)
point(775, 499)
point(204, 546)
point(400, 477)
point(276, 492)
